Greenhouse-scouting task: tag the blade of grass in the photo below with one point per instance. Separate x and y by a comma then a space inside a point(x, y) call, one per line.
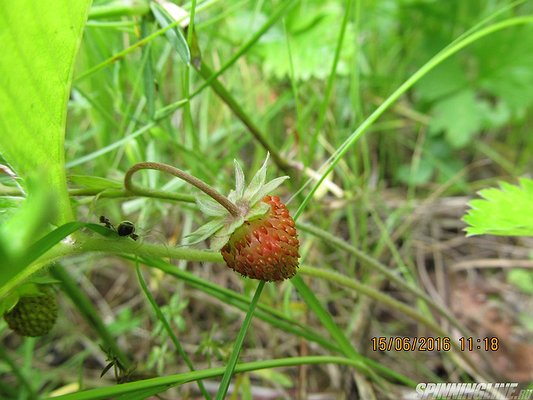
point(30, 392)
point(180, 379)
point(167, 327)
point(232, 362)
point(331, 79)
point(174, 35)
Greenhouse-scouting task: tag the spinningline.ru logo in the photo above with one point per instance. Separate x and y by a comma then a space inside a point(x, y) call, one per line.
point(474, 391)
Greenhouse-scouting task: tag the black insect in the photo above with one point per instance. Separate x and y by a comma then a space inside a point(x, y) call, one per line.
point(125, 228)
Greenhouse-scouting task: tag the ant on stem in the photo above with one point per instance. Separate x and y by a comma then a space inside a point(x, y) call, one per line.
point(125, 228)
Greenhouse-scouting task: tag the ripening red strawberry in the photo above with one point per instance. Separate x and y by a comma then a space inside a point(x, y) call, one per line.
point(253, 230)
point(265, 248)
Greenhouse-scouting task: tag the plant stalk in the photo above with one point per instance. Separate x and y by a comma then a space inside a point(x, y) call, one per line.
point(204, 187)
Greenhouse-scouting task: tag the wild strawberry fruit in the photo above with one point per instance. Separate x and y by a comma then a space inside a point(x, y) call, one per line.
point(33, 315)
point(253, 230)
point(265, 248)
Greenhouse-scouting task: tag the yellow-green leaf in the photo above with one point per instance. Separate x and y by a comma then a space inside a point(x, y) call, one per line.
point(39, 40)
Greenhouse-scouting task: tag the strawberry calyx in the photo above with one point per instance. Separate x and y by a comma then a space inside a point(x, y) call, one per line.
point(249, 204)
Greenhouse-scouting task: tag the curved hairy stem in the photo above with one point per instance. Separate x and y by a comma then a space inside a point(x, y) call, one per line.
point(204, 187)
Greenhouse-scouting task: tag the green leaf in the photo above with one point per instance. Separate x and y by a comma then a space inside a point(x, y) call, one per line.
point(174, 35)
point(28, 223)
point(39, 42)
point(312, 34)
point(459, 116)
point(507, 211)
point(505, 69)
point(444, 80)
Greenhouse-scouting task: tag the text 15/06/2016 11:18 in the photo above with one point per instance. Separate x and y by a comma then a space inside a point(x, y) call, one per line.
point(429, 343)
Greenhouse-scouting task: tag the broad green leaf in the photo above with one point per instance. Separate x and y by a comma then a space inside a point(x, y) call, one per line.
point(28, 223)
point(39, 42)
point(417, 174)
point(444, 80)
point(459, 116)
point(507, 211)
point(505, 71)
point(312, 34)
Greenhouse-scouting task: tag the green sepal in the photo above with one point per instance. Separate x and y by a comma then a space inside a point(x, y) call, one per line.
point(205, 231)
point(239, 180)
point(257, 211)
point(210, 207)
point(267, 189)
point(257, 182)
point(221, 237)
point(248, 199)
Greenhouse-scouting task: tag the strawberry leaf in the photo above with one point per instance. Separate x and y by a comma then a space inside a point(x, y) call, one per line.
point(507, 211)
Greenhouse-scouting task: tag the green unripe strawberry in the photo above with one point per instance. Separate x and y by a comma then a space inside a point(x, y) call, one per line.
point(33, 315)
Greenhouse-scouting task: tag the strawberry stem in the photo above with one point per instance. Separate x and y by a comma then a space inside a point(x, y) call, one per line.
point(204, 187)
